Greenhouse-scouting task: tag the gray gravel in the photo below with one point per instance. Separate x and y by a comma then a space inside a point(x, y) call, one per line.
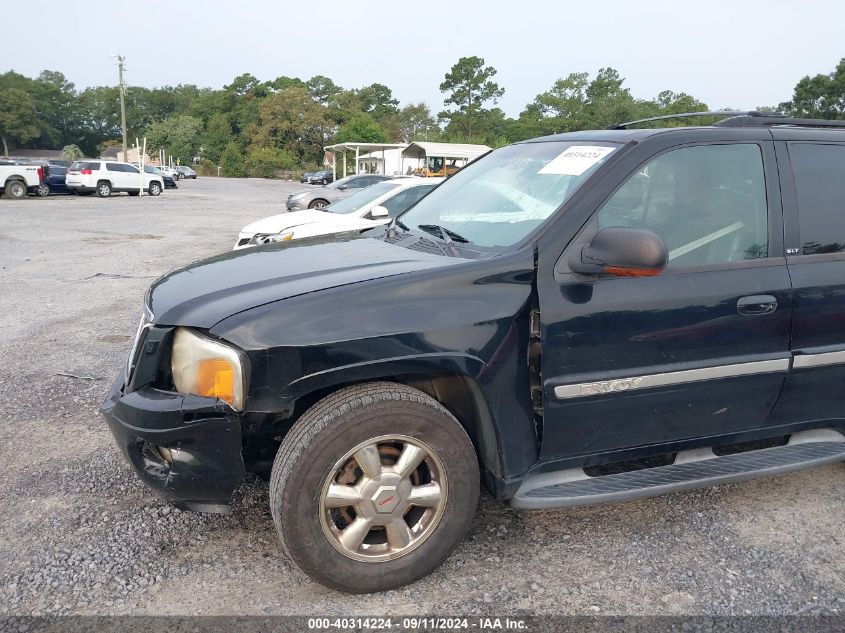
point(79, 533)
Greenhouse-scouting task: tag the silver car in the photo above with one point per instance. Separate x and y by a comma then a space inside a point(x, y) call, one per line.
point(319, 197)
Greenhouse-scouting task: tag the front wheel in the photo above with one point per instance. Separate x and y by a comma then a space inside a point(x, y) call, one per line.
point(318, 204)
point(155, 189)
point(373, 487)
point(42, 190)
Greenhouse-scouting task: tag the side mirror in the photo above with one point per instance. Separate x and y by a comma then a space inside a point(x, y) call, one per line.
point(379, 212)
point(343, 187)
point(623, 252)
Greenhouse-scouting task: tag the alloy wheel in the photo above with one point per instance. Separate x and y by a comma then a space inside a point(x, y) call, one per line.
point(383, 498)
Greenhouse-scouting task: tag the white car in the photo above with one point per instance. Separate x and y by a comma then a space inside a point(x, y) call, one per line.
point(370, 207)
point(170, 171)
point(107, 176)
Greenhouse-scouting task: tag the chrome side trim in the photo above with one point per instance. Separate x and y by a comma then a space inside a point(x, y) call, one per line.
point(818, 360)
point(583, 389)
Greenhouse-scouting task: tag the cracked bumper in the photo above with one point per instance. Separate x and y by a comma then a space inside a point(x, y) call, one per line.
point(203, 436)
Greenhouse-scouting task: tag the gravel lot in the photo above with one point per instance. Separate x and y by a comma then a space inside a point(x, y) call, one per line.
point(80, 534)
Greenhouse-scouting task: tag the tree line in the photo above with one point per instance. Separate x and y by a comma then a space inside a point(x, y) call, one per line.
point(253, 127)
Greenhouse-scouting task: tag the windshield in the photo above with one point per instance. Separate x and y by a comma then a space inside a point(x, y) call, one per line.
point(360, 199)
point(501, 198)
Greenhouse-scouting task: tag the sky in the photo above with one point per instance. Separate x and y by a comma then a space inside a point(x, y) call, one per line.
point(739, 54)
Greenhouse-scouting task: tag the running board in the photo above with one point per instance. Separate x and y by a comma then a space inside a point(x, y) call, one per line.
point(691, 469)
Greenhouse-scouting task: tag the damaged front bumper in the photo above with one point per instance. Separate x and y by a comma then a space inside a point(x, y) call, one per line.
point(186, 448)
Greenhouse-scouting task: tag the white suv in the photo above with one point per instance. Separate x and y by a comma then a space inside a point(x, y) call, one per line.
point(107, 176)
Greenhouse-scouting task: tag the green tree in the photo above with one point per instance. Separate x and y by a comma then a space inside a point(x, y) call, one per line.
point(362, 128)
point(343, 106)
point(17, 118)
point(470, 86)
point(232, 161)
point(576, 102)
point(412, 123)
point(218, 134)
point(291, 120)
point(562, 108)
point(179, 135)
point(283, 82)
point(322, 88)
point(71, 153)
point(100, 114)
point(819, 97)
point(266, 162)
point(378, 101)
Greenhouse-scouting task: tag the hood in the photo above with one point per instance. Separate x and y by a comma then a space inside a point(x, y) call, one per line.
point(206, 292)
point(278, 223)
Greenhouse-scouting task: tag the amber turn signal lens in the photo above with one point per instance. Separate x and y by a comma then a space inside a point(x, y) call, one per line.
point(619, 271)
point(215, 379)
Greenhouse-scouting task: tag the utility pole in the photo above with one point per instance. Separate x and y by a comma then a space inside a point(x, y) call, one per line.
point(120, 60)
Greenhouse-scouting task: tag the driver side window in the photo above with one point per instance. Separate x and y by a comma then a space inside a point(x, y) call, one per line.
point(707, 202)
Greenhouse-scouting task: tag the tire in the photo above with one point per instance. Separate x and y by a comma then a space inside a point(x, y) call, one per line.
point(324, 182)
point(15, 189)
point(155, 188)
point(405, 540)
point(319, 203)
point(104, 188)
point(42, 191)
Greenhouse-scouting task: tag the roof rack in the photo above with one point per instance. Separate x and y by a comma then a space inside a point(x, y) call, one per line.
point(734, 118)
point(686, 115)
point(766, 120)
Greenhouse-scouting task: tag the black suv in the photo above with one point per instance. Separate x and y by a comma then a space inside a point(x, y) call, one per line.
point(576, 319)
point(321, 178)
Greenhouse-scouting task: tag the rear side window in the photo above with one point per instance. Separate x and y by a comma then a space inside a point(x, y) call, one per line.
point(114, 167)
point(84, 164)
point(707, 202)
point(819, 172)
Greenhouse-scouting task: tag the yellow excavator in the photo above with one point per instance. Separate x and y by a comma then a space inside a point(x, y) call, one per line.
point(438, 167)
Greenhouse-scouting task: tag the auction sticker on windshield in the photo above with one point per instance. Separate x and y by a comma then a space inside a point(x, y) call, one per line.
point(575, 160)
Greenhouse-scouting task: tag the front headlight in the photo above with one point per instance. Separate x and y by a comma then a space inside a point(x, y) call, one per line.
point(269, 238)
point(203, 367)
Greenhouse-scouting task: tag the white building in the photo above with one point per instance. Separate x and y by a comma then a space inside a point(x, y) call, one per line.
point(396, 159)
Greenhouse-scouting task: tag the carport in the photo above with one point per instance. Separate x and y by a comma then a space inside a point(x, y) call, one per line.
point(343, 148)
point(462, 152)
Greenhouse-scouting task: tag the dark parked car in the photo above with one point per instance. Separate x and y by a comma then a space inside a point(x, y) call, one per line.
point(54, 180)
point(305, 176)
point(321, 178)
point(581, 318)
point(169, 182)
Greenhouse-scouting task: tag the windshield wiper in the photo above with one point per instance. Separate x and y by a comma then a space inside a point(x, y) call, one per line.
point(444, 232)
point(391, 228)
point(449, 237)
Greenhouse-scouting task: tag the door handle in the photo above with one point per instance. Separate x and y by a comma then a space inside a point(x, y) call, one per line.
point(756, 304)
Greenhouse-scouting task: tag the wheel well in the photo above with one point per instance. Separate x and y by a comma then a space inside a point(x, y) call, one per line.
point(460, 394)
